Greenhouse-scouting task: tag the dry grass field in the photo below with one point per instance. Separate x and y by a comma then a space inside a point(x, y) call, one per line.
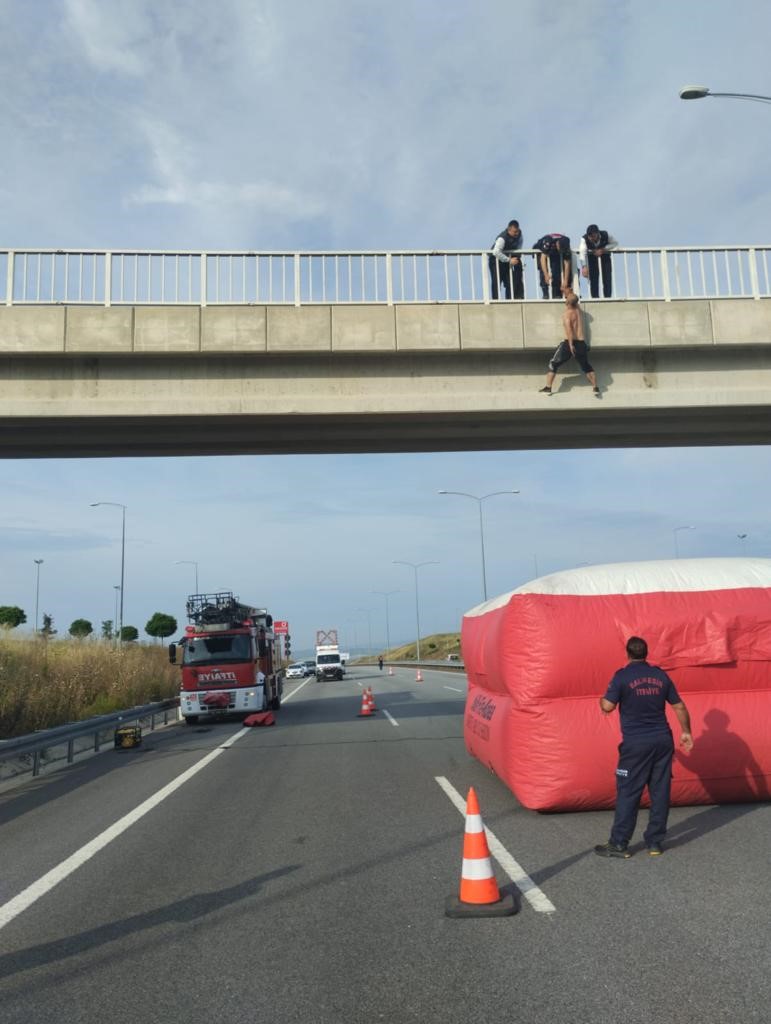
point(47, 683)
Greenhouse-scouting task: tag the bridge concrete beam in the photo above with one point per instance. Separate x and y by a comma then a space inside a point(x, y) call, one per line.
point(179, 379)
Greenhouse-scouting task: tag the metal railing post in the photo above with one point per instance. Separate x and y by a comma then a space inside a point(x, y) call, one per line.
point(296, 261)
point(204, 285)
point(665, 276)
point(389, 280)
point(107, 278)
point(754, 278)
point(486, 279)
point(9, 279)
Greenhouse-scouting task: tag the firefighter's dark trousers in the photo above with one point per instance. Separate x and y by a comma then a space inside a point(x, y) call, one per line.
point(644, 761)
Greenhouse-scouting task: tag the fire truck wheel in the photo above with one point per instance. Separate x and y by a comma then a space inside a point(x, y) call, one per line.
point(275, 704)
point(191, 719)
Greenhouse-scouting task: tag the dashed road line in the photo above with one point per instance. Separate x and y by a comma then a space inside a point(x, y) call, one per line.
point(390, 717)
point(455, 688)
point(534, 896)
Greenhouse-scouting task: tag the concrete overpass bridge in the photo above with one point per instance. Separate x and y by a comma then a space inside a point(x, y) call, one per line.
point(139, 353)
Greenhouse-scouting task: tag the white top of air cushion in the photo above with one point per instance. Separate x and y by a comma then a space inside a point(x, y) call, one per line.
point(681, 574)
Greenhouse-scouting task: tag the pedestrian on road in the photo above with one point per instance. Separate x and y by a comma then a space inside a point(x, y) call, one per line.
point(573, 345)
point(380, 662)
point(505, 263)
point(555, 264)
point(641, 693)
point(593, 255)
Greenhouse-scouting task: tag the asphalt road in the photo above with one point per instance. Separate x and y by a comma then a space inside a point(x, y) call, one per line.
point(301, 875)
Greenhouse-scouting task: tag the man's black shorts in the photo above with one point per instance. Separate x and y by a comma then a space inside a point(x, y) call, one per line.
point(563, 354)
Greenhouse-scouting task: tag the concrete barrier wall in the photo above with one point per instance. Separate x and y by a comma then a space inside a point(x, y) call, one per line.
point(156, 330)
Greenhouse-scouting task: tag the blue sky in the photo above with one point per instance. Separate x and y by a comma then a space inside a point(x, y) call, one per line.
point(342, 126)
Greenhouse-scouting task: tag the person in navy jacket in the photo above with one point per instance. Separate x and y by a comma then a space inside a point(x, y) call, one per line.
point(641, 692)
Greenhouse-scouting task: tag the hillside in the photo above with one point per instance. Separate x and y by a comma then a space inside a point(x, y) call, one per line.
point(435, 647)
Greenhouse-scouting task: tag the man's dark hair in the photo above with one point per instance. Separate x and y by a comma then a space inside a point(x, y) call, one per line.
point(636, 648)
point(513, 224)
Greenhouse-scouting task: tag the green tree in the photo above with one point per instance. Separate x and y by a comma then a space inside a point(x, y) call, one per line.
point(129, 633)
point(161, 625)
point(47, 629)
point(81, 628)
point(107, 631)
point(11, 616)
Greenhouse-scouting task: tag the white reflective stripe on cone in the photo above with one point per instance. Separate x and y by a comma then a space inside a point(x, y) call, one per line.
point(477, 869)
point(474, 823)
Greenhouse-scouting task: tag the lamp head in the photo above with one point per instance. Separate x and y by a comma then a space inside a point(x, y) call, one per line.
point(694, 92)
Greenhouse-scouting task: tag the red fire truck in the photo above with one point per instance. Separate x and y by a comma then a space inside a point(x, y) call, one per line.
point(227, 659)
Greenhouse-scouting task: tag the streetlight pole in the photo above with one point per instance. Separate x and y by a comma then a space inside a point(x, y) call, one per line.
point(369, 629)
point(116, 588)
point(479, 499)
point(415, 566)
point(700, 92)
point(675, 532)
point(38, 562)
point(386, 594)
point(188, 561)
point(117, 504)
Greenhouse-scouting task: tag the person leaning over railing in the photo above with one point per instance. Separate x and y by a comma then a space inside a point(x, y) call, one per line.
point(555, 264)
point(593, 254)
point(505, 262)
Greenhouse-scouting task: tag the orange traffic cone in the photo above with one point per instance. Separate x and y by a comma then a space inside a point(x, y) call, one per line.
point(366, 710)
point(371, 699)
point(479, 895)
point(418, 676)
point(390, 670)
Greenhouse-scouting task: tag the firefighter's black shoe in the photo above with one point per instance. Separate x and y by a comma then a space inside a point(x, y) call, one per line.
point(611, 850)
point(596, 392)
point(655, 850)
point(544, 391)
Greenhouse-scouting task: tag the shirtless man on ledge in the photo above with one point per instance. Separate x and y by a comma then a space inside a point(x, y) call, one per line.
point(573, 345)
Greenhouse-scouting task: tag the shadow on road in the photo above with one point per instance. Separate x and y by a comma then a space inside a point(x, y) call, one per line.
point(182, 912)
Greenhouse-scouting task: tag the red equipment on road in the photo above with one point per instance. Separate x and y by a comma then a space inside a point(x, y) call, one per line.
point(539, 658)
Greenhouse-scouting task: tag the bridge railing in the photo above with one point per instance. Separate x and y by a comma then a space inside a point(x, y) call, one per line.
point(123, 277)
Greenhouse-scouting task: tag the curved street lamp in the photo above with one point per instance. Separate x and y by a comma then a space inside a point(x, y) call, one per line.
point(415, 566)
point(38, 562)
point(479, 499)
point(117, 504)
point(386, 594)
point(699, 92)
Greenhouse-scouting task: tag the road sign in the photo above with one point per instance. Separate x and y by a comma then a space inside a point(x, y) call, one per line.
point(280, 626)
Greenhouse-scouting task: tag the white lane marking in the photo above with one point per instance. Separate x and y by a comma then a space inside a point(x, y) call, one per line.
point(534, 896)
point(390, 717)
point(455, 688)
point(290, 695)
point(33, 892)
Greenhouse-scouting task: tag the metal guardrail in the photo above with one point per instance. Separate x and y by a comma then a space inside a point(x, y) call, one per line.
point(129, 277)
point(35, 743)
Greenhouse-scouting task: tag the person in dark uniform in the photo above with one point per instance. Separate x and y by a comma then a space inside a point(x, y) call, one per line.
point(505, 263)
point(555, 264)
point(594, 255)
point(380, 662)
point(641, 693)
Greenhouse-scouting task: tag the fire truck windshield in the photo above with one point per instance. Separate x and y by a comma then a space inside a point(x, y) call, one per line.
point(216, 650)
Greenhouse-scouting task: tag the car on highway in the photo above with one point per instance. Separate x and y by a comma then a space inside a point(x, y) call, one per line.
point(297, 671)
point(310, 667)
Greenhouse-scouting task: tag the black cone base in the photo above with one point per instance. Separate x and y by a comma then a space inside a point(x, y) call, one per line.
point(505, 907)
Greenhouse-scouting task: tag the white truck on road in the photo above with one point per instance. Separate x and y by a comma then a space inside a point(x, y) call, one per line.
point(329, 664)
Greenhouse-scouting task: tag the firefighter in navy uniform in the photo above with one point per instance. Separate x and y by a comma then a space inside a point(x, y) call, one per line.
point(505, 263)
point(594, 255)
point(641, 693)
point(555, 264)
